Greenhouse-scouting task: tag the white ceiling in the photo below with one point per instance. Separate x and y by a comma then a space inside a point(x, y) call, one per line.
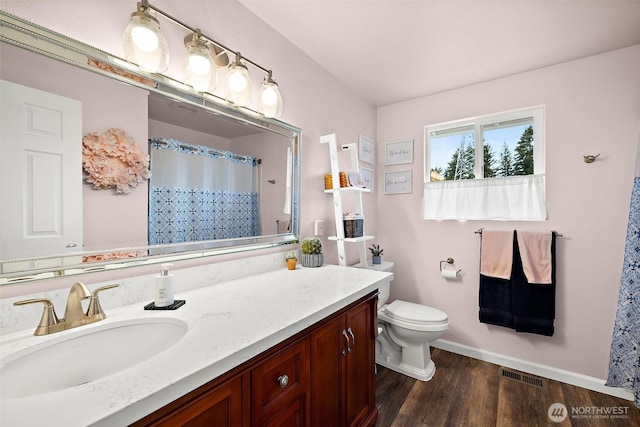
point(390, 51)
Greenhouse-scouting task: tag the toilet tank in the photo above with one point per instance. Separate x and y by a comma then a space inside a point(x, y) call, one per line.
point(384, 288)
point(383, 295)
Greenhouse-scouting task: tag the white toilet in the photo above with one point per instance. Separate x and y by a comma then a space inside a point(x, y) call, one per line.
point(405, 331)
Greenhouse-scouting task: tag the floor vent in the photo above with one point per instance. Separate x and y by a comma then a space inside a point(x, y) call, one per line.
point(522, 378)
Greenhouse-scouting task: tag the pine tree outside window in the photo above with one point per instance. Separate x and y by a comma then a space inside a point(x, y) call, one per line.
point(489, 167)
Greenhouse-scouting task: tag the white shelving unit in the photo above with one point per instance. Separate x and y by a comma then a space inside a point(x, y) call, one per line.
point(340, 192)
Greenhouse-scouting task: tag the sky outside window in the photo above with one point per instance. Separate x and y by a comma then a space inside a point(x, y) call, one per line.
point(443, 145)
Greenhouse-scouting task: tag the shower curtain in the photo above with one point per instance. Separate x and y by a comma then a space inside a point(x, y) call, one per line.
point(199, 193)
point(624, 361)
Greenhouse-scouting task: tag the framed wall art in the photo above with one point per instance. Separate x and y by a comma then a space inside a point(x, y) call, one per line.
point(398, 152)
point(397, 182)
point(365, 149)
point(367, 178)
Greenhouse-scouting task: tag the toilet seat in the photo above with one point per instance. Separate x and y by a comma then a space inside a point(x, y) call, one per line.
point(414, 316)
point(415, 313)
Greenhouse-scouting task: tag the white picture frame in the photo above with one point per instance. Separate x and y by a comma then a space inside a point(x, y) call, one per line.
point(397, 182)
point(365, 149)
point(398, 152)
point(367, 178)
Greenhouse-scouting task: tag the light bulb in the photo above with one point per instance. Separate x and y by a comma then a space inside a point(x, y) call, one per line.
point(269, 96)
point(198, 69)
point(199, 64)
point(269, 99)
point(145, 39)
point(144, 43)
point(238, 87)
point(237, 81)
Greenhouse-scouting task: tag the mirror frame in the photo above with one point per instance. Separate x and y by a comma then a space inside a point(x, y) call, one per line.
point(24, 34)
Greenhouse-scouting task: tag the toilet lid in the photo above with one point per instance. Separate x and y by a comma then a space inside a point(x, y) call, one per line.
point(415, 313)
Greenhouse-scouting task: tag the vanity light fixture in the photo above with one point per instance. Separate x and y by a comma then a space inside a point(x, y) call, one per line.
point(269, 98)
point(238, 88)
point(144, 43)
point(199, 67)
point(146, 46)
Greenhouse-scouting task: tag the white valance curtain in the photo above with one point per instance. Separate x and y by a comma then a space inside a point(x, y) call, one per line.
point(197, 193)
point(520, 198)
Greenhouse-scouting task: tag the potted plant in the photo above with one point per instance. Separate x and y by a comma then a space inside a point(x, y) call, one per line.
point(292, 260)
point(376, 254)
point(312, 252)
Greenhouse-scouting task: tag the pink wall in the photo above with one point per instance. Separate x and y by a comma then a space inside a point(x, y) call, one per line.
point(110, 219)
point(592, 106)
point(313, 99)
point(165, 130)
point(272, 149)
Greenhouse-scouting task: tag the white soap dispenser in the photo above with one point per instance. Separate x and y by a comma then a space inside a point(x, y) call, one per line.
point(164, 287)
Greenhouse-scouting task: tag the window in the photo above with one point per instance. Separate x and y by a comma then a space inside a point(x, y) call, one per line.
point(489, 167)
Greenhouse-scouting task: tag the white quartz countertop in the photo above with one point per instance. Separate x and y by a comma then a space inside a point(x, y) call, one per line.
point(229, 323)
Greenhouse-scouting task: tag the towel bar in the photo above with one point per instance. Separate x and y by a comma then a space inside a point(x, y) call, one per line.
point(479, 231)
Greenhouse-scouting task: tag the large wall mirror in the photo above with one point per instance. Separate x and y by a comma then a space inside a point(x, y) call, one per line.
point(77, 195)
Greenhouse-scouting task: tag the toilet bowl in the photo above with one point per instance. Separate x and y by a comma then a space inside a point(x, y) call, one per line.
point(405, 331)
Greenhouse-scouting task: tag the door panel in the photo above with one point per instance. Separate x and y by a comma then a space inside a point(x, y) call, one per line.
point(40, 171)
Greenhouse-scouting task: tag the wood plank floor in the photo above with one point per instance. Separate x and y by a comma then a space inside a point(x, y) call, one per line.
point(470, 392)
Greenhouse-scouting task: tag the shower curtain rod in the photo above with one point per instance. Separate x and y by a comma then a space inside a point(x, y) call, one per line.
point(479, 231)
point(211, 151)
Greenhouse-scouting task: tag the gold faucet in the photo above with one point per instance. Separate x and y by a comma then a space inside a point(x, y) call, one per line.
point(73, 315)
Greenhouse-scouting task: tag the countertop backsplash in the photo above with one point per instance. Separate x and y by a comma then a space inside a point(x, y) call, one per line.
point(135, 289)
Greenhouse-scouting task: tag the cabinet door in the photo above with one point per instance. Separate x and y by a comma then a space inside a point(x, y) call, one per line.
point(221, 406)
point(280, 387)
point(327, 379)
point(360, 369)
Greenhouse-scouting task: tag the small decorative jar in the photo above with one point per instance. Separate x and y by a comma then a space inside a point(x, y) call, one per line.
point(343, 179)
point(328, 182)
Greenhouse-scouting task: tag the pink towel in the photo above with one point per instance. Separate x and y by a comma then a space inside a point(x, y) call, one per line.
point(496, 254)
point(535, 252)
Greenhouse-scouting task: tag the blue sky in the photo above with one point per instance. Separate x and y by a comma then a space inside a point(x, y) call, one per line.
point(442, 148)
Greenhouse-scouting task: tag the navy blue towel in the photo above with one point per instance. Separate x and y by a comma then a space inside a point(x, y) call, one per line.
point(516, 303)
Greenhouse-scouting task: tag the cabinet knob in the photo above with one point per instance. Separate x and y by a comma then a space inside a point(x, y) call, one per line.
point(283, 380)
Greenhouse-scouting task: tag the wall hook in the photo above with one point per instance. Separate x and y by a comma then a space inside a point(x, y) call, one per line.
point(590, 158)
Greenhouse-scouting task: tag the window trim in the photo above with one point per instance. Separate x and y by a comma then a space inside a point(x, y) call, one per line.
point(538, 114)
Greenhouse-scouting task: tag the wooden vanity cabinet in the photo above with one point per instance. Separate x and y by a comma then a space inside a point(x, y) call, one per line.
point(323, 376)
point(221, 405)
point(343, 369)
point(280, 388)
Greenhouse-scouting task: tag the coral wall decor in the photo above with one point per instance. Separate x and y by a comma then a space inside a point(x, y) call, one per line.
point(113, 159)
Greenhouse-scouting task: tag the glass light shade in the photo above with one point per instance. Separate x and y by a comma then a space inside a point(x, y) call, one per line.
point(239, 87)
point(269, 99)
point(199, 69)
point(144, 43)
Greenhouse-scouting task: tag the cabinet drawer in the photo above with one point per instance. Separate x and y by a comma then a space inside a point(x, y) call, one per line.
point(221, 406)
point(280, 379)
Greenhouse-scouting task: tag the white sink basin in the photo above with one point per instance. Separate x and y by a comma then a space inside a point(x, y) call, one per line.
point(81, 356)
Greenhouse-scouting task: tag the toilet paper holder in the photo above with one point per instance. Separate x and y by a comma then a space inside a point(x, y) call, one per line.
point(449, 261)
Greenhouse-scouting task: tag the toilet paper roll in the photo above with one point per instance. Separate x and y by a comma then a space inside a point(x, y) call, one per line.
point(449, 273)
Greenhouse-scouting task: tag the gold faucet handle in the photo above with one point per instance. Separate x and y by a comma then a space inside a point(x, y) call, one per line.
point(48, 319)
point(94, 311)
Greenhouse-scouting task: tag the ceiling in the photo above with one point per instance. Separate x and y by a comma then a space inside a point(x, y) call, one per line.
point(390, 51)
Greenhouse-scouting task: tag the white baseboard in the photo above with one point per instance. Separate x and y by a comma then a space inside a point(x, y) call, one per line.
point(545, 371)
